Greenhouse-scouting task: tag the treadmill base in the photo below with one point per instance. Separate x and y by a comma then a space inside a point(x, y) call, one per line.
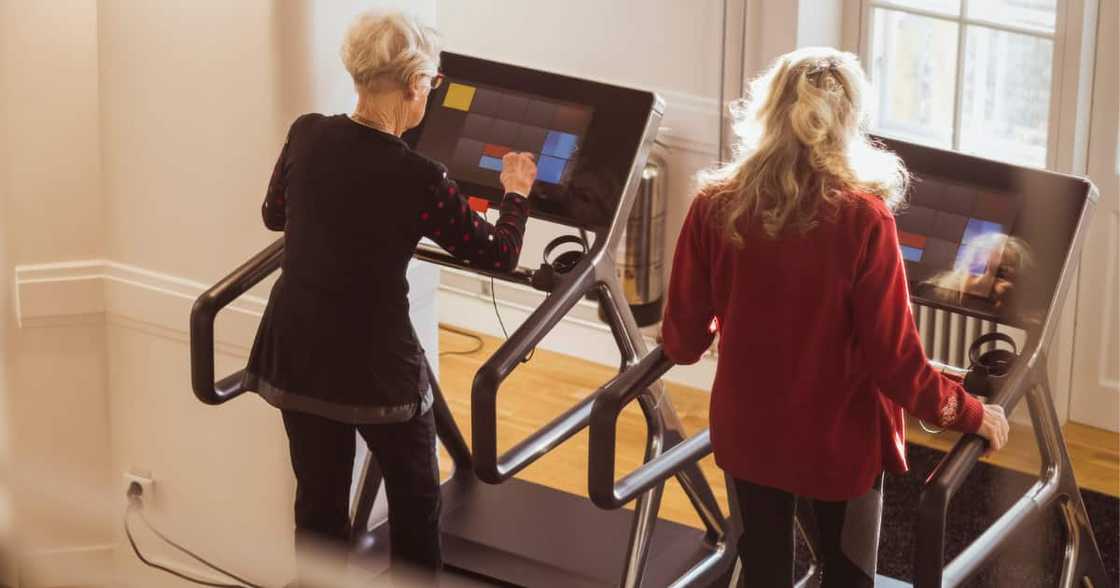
point(523, 534)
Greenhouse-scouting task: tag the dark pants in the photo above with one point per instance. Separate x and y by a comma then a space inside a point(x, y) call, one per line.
point(323, 459)
point(846, 533)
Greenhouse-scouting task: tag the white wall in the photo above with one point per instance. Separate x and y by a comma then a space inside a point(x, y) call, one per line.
point(138, 140)
point(55, 410)
point(196, 99)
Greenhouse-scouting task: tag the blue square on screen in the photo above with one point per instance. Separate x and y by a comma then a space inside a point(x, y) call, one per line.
point(979, 228)
point(550, 169)
point(558, 144)
point(488, 162)
point(911, 253)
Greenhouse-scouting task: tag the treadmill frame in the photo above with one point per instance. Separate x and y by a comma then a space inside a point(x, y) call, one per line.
point(1056, 486)
point(594, 274)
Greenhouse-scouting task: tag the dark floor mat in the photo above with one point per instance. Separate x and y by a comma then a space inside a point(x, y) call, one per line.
point(1032, 559)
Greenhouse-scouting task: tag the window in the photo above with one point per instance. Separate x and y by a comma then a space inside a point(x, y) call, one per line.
point(969, 75)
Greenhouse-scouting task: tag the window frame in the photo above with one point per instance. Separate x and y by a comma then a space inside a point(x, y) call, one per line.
point(1067, 149)
point(1073, 41)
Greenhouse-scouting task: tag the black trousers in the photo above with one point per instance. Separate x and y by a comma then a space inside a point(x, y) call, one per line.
point(322, 453)
point(846, 533)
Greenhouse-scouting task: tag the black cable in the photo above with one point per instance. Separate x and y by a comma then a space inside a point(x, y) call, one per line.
point(176, 573)
point(478, 343)
point(193, 555)
point(505, 334)
point(494, 301)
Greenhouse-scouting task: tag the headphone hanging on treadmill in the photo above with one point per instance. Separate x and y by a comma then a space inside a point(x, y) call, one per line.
point(988, 368)
point(545, 278)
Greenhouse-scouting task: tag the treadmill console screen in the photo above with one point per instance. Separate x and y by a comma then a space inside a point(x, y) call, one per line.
point(585, 136)
point(473, 126)
point(985, 238)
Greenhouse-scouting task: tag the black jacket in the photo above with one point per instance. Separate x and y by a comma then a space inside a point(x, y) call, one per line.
point(353, 202)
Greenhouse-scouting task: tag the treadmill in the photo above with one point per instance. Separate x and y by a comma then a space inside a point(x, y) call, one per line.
point(983, 241)
point(591, 141)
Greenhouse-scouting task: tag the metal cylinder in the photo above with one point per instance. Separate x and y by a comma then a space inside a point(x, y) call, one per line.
point(640, 257)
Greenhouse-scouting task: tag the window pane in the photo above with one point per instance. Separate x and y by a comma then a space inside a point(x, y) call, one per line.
point(1006, 103)
point(948, 7)
point(1035, 14)
point(913, 72)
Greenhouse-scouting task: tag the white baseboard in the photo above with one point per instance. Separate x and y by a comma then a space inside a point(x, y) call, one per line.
point(159, 303)
point(465, 302)
point(78, 566)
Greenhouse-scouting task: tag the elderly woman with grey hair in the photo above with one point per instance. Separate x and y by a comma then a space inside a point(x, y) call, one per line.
point(336, 351)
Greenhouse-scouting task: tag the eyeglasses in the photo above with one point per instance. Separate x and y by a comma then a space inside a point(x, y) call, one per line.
point(437, 81)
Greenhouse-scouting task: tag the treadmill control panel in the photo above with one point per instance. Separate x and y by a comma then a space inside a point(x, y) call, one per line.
point(584, 135)
point(472, 126)
point(985, 238)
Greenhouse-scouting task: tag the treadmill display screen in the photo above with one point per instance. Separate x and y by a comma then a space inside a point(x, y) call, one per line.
point(958, 232)
point(585, 136)
point(473, 126)
point(984, 238)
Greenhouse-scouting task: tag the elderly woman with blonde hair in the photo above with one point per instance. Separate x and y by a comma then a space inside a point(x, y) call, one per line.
point(791, 254)
point(336, 351)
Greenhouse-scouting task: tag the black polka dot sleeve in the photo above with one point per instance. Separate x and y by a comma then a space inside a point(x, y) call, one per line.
point(273, 211)
point(447, 219)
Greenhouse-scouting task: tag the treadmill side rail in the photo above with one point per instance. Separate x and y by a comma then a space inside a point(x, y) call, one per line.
point(206, 309)
point(609, 403)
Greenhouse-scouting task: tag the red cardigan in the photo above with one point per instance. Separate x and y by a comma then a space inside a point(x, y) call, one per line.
point(818, 351)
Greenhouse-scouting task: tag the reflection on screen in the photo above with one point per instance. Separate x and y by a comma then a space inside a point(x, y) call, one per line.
point(472, 126)
point(956, 245)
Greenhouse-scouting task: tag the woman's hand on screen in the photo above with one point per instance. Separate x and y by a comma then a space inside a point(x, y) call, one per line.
point(518, 172)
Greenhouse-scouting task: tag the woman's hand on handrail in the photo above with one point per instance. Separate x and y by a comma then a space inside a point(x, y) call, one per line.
point(994, 427)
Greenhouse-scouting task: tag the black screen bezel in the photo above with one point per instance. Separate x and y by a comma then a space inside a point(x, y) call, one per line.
point(607, 154)
point(1051, 212)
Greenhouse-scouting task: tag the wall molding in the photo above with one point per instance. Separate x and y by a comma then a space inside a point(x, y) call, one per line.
point(57, 568)
point(691, 123)
point(57, 293)
point(159, 304)
point(465, 301)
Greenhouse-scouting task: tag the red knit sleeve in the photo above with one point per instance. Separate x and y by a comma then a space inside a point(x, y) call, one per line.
point(687, 327)
point(889, 341)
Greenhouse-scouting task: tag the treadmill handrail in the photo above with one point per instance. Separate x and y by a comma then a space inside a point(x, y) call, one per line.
point(240, 281)
point(489, 465)
point(948, 477)
point(611, 399)
point(206, 309)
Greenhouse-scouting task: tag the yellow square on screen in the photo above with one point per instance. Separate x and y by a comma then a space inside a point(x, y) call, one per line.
point(459, 97)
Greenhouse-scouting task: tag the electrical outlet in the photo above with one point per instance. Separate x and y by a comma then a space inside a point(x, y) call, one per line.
point(484, 288)
point(147, 484)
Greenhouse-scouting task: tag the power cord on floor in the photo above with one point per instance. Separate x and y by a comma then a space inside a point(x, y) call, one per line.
point(478, 343)
point(136, 505)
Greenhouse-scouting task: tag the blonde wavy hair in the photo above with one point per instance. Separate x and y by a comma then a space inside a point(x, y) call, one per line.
point(386, 49)
point(803, 145)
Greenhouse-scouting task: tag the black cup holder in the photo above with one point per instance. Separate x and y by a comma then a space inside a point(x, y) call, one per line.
point(988, 369)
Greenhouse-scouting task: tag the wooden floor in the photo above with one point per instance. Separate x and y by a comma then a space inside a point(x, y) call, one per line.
point(551, 382)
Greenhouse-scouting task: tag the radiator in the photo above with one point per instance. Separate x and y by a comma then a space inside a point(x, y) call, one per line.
point(947, 335)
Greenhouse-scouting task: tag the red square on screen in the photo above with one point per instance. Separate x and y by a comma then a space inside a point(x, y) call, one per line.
point(479, 205)
point(495, 150)
point(912, 240)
